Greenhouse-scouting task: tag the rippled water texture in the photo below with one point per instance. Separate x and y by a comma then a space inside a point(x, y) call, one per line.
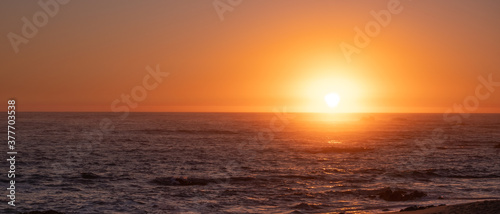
point(251, 163)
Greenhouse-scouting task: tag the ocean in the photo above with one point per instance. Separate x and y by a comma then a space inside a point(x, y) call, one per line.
point(251, 162)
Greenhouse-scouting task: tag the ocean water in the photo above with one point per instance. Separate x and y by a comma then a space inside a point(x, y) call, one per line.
point(250, 162)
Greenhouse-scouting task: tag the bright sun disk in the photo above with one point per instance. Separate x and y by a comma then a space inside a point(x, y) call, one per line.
point(332, 100)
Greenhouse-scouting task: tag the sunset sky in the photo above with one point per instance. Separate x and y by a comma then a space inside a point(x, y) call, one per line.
point(262, 55)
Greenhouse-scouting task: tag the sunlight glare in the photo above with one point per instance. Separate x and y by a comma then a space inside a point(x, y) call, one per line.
point(332, 100)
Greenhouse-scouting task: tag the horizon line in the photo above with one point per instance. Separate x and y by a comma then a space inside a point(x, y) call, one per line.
point(293, 112)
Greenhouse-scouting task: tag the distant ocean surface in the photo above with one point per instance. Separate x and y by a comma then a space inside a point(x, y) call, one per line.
point(250, 162)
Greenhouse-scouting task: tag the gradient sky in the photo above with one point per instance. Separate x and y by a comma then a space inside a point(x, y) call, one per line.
point(263, 55)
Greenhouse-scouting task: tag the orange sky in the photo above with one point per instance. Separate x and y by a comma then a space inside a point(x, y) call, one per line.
point(263, 55)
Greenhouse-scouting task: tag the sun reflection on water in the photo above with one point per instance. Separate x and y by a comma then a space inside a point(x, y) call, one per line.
point(334, 142)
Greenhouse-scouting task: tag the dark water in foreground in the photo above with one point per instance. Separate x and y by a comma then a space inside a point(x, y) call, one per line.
point(250, 163)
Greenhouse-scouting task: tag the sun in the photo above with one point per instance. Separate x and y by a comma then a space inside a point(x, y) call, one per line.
point(332, 93)
point(332, 100)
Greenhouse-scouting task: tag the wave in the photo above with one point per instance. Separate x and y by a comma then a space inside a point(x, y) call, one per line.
point(371, 171)
point(301, 177)
point(306, 206)
point(442, 173)
point(186, 131)
point(181, 181)
point(386, 193)
point(43, 212)
point(209, 131)
point(475, 176)
point(191, 181)
point(89, 175)
point(337, 150)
